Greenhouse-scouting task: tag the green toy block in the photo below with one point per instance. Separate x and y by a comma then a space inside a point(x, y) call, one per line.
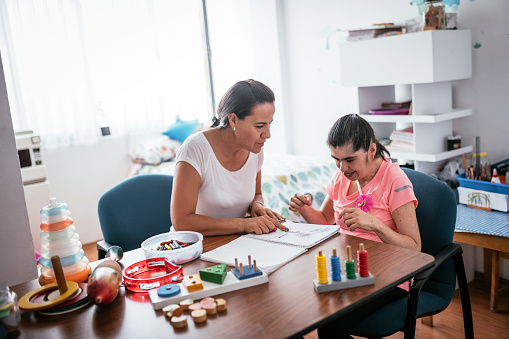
point(215, 274)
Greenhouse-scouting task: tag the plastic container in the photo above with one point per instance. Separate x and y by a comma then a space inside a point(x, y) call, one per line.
point(482, 185)
point(176, 256)
point(10, 315)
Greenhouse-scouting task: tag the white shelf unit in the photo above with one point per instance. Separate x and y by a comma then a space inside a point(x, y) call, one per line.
point(419, 67)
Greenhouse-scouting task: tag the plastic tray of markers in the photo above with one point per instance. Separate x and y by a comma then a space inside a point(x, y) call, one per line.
point(151, 273)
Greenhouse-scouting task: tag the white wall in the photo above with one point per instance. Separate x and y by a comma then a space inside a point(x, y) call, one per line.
point(17, 258)
point(316, 98)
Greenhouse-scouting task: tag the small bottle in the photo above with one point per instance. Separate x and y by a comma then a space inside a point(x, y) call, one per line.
point(507, 177)
point(10, 316)
point(494, 178)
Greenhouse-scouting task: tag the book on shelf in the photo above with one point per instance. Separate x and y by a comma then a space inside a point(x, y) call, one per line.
point(404, 135)
point(271, 250)
point(374, 32)
point(404, 145)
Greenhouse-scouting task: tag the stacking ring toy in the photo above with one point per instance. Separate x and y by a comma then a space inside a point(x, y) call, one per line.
point(26, 304)
point(139, 276)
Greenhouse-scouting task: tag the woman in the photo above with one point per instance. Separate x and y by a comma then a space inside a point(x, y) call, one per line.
point(218, 173)
point(384, 212)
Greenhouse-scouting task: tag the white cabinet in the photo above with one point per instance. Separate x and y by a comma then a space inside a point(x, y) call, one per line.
point(420, 67)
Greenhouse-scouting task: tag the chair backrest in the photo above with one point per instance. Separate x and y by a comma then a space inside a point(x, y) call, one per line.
point(436, 215)
point(136, 209)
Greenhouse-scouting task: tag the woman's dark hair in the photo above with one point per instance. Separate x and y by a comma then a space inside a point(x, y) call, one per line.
point(240, 99)
point(352, 128)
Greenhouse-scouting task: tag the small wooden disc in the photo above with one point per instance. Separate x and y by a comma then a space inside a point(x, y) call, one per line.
point(178, 322)
point(172, 310)
point(25, 303)
point(186, 303)
point(210, 307)
point(199, 316)
point(207, 300)
point(195, 306)
point(221, 304)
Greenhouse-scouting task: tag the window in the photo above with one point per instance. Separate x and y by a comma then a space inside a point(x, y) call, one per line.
point(74, 66)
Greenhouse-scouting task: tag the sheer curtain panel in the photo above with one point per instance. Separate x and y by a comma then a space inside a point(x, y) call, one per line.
point(75, 66)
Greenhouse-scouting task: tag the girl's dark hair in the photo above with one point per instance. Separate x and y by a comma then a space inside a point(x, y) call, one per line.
point(352, 128)
point(240, 99)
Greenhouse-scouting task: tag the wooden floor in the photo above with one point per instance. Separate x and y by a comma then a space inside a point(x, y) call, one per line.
point(449, 323)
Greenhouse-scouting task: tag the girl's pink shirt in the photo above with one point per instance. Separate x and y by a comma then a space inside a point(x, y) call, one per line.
point(389, 189)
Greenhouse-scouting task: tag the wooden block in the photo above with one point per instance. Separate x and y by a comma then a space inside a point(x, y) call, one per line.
point(210, 307)
point(179, 322)
point(172, 310)
point(207, 300)
point(192, 282)
point(221, 305)
point(344, 283)
point(248, 272)
point(231, 283)
point(184, 304)
point(199, 316)
point(195, 306)
point(215, 274)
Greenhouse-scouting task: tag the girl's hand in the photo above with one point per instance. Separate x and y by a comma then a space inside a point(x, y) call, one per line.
point(356, 218)
point(262, 224)
point(298, 201)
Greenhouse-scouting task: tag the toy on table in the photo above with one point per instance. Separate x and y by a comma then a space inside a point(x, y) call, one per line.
point(242, 272)
point(59, 238)
point(104, 282)
point(350, 279)
point(210, 281)
point(10, 315)
point(198, 310)
point(139, 277)
point(56, 298)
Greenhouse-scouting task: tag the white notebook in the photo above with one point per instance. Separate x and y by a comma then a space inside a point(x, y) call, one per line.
point(271, 250)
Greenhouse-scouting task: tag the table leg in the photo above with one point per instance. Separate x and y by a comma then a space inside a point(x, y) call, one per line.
point(495, 266)
point(487, 265)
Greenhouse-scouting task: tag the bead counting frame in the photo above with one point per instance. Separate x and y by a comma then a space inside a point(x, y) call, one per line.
point(332, 283)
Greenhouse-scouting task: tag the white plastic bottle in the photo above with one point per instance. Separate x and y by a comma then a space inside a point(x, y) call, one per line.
point(494, 178)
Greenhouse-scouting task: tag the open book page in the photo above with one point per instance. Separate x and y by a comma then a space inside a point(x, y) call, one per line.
point(299, 234)
point(269, 256)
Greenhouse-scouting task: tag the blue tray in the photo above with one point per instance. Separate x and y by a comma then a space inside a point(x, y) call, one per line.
point(482, 185)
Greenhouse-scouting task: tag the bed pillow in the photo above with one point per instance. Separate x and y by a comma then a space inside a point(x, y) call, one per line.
point(155, 151)
point(181, 129)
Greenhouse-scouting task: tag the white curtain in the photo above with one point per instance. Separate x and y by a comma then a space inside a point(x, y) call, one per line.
point(74, 66)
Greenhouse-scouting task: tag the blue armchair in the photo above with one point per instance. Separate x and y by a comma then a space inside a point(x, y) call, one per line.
point(134, 210)
point(431, 291)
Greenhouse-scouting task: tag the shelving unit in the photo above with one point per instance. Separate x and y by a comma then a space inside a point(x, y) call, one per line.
point(419, 67)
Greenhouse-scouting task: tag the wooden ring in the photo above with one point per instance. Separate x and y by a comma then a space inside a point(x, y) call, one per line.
point(25, 303)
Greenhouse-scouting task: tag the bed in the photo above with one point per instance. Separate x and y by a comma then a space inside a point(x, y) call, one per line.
point(283, 175)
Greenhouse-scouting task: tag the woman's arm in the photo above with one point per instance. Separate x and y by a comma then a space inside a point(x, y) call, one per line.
point(257, 207)
point(186, 185)
point(404, 217)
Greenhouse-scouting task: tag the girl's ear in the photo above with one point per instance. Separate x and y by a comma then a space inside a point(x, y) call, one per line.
point(372, 150)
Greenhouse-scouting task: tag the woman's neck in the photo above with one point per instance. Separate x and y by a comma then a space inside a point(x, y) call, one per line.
point(373, 170)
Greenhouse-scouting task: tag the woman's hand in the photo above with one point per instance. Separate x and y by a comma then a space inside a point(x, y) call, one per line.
point(262, 224)
point(298, 201)
point(258, 210)
point(356, 218)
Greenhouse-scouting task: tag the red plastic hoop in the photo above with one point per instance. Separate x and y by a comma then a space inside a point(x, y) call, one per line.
point(146, 274)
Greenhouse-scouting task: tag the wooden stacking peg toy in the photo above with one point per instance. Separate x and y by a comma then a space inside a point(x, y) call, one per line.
point(338, 281)
point(66, 290)
point(245, 272)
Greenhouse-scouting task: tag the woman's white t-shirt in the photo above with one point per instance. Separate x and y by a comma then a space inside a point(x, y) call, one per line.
point(223, 193)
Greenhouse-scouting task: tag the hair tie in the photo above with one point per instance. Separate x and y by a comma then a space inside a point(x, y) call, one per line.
point(214, 119)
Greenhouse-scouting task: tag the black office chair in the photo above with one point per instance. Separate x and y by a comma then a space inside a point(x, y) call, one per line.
point(431, 291)
point(134, 210)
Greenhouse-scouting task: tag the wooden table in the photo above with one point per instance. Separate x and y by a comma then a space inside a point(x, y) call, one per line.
point(469, 225)
point(287, 306)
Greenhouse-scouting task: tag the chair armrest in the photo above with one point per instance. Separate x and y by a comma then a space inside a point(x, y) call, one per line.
point(102, 247)
point(440, 257)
